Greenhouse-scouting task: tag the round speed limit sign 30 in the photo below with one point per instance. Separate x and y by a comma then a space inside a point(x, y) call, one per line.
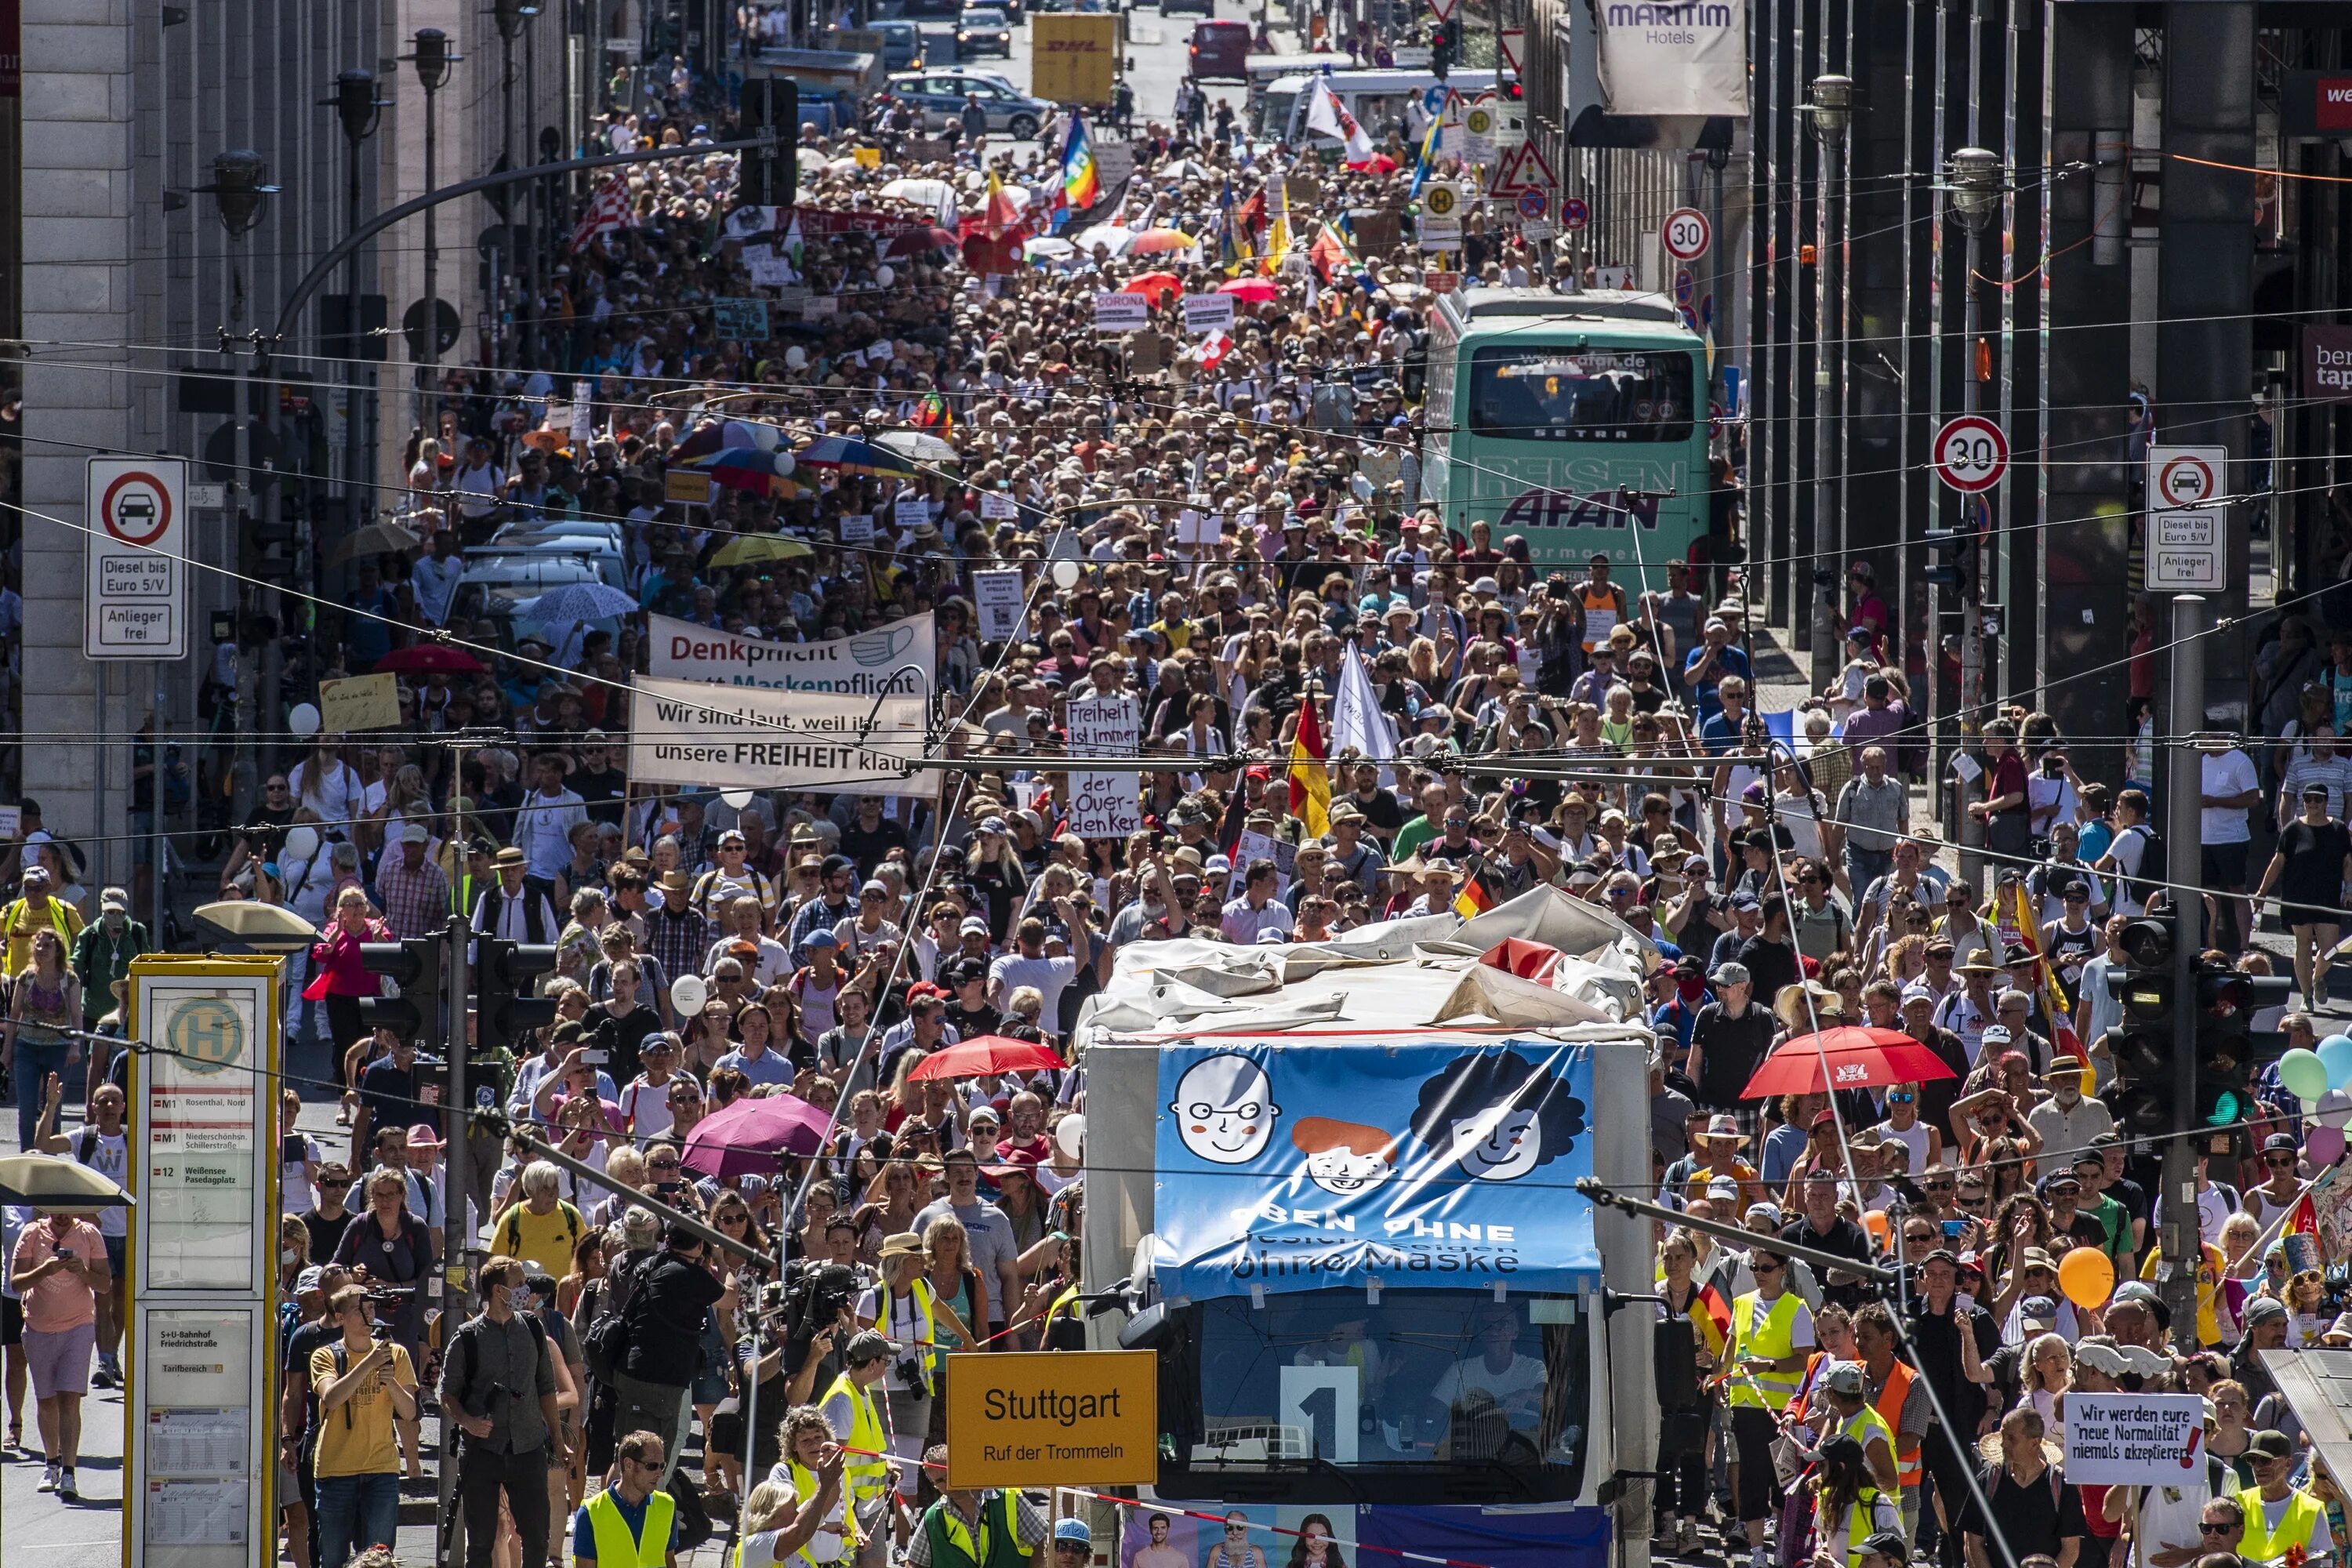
point(1685, 234)
point(1972, 454)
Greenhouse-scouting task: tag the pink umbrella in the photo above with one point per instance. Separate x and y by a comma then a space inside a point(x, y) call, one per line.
point(1250, 290)
point(753, 1136)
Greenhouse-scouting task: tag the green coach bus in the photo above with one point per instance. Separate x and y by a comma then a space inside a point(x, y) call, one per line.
point(1577, 421)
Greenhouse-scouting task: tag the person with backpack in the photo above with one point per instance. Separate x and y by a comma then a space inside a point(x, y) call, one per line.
point(363, 1382)
point(543, 1229)
point(2135, 857)
point(659, 1329)
point(498, 1388)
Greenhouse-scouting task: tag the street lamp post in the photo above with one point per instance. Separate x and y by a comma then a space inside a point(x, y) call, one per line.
point(512, 16)
point(358, 109)
point(1974, 177)
point(241, 190)
point(1831, 110)
point(431, 56)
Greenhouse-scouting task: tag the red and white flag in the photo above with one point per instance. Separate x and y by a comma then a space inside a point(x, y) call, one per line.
point(608, 211)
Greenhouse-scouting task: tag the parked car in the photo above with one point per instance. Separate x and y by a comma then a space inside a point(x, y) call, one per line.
point(983, 30)
point(1219, 50)
point(937, 98)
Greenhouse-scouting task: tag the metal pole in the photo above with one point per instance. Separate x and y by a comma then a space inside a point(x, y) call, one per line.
point(2184, 798)
point(1971, 831)
point(1817, 633)
point(159, 852)
point(502, 253)
point(432, 355)
point(459, 1231)
point(354, 376)
point(534, 205)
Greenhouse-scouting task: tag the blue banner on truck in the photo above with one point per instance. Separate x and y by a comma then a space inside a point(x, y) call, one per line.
point(1431, 1164)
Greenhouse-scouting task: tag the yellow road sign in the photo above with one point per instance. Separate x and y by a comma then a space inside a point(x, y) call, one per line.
point(1045, 1418)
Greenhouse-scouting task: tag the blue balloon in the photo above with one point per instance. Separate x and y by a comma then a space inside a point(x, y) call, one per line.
point(2335, 1052)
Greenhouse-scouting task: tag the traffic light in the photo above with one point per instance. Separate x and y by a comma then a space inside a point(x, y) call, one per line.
point(768, 177)
point(506, 976)
point(1951, 558)
point(414, 964)
point(2226, 1003)
point(2142, 1049)
point(1444, 46)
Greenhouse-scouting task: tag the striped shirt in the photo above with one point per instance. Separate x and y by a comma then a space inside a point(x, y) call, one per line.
point(2334, 772)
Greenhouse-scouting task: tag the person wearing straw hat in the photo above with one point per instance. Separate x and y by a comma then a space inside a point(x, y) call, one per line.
point(915, 1316)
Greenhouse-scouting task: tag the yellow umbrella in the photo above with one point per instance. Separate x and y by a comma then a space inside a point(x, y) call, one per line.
point(752, 549)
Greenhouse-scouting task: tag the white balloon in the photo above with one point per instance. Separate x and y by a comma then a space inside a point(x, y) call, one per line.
point(2334, 1109)
point(1065, 575)
point(301, 842)
point(687, 993)
point(1070, 1135)
point(738, 798)
point(784, 465)
point(796, 357)
point(885, 275)
point(304, 719)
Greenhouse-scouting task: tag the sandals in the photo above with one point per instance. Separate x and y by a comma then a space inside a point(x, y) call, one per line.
point(17, 1435)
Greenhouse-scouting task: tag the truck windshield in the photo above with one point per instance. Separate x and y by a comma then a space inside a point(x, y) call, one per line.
point(1535, 394)
point(1438, 1396)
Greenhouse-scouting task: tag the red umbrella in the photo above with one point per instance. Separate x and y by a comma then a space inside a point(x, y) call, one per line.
point(429, 659)
point(1154, 286)
point(1858, 1058)
point(1251, 290)
point(752, 1136)
point(987, 1054)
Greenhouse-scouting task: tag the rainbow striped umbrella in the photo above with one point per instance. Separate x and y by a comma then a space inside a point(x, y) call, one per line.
point(853, 456)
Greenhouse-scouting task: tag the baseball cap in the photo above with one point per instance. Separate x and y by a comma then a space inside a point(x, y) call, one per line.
point(1074, 1531)
point(1843, 1377)
point(2262, 1308)
point(822, 938)
point(1731, 974)
point(2271, 1444)
point(308, 1280)
point(2037, 1314)
point(972, 925)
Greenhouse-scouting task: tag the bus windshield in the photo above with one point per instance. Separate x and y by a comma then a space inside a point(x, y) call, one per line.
point(1446, 1396)
point(1537, 394)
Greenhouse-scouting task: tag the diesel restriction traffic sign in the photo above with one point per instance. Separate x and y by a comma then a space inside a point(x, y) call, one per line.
point(1972, 454)
point(2185, 549)
point(135, 593)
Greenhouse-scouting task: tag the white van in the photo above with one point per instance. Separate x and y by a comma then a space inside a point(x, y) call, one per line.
point(1377, 99)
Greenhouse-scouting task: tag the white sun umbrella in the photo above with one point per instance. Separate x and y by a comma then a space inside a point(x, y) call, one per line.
point(922, 191)
point(918, 446)
point(1046, 248)
point(1110, 236)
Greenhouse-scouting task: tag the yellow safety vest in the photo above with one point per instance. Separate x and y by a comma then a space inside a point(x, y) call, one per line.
point(1866, 1424)
point(2303, 1513)
point(864, 1470)
point(615, 1547)
point(1766, 1331)
point(1065, 1305)
point(1861, 1525)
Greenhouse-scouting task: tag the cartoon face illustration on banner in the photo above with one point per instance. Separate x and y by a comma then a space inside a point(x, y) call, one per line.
point(1497, 1117)
point(1224, 1109)
point(1344, 1158)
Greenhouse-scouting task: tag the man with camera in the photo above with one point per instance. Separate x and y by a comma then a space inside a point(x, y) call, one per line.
point(498, 1387)
point(364, 1380)
point(855, 1418)
point(915, 1317)
point(662, 1320)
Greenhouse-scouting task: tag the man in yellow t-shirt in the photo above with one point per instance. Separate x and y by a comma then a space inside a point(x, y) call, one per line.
point(362, 1384)
point(2209, 1270)
point(40, 909)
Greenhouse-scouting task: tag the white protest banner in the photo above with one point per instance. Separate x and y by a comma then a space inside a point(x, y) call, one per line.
point(768, 270)
point(2133, 1439)
point(912, 509)
point(858, 528)
point(1121, 312)
point(995, 506)
point(687, 732)
point(999, 598)
point(1205, 313)
point(1105, 804)
point(584, 410)
point(900, 658)
point(1251, 847)
point(1199, 528)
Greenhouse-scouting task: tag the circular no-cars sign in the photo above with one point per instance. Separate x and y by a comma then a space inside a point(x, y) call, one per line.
point(1972, 454)
point(136, 509)
point(2187, 480)
point(1685, 234)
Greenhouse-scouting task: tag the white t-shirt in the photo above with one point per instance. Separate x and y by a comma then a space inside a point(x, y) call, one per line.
point(1524, 1375)
point(544, 827)
point(294, 1178)
point(2227, 773)
point(338, 796)
point(904, 1325)
point(110, 1158)
point(646, 1110)
point(1012, 971)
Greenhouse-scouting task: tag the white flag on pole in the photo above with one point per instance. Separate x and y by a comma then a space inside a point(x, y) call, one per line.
point(1357, 719)
point(1327, 114)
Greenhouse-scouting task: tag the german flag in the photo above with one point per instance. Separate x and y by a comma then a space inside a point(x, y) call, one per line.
point(1310, 773)
point(1475, 896)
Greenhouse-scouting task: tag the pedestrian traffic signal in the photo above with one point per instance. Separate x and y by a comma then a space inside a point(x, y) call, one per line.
point(1951, 558)
point(413, 965)
point(767, 177)
point(2141, 1044)
point(505, 1006)
point(2226, 1003)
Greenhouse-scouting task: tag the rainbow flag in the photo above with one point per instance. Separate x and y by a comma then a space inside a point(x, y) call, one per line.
point(1080, 188)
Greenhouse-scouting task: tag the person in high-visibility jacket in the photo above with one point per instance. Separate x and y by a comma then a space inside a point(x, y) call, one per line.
point(2280, 1516)
point(807, 1443)
point(1848, 1509)
point(1896, 1394)
point(1850, 1414)
point(795, 1509)
point(905, 1307)
point(854, 1414)
point(1772, 1335)
point(980, 1529)
point(629, 1524)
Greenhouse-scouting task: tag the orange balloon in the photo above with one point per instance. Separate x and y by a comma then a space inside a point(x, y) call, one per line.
point(2087, 1276)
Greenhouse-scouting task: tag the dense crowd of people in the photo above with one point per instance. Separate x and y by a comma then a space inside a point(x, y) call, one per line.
point(1223, 527)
